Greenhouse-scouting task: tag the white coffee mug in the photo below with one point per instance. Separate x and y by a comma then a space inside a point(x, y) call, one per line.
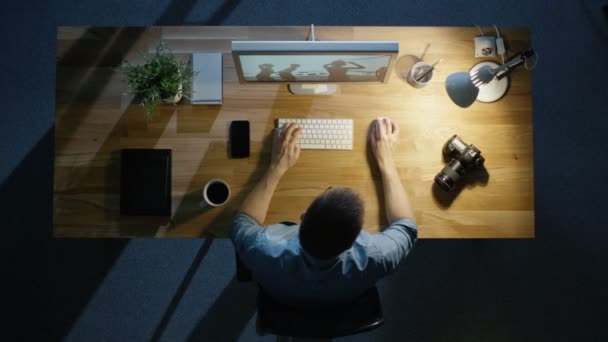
point(215, 193)
point(418, 70)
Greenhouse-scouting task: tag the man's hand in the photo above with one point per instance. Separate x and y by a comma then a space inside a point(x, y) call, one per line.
point(383, 134)
point(285, 151)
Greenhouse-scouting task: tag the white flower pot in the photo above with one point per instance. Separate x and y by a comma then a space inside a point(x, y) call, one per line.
point(177, 96)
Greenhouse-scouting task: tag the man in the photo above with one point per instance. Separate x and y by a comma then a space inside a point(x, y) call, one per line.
point(327, 258)
point(338, 70)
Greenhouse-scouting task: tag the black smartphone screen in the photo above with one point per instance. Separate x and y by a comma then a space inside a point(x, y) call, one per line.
point(239, 139)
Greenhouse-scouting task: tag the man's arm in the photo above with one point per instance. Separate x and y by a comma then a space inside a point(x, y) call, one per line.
point(285, 153)
point(357, 66)
point(257, 202)
point(395, 198)
point(396, 241)
point(383, 135)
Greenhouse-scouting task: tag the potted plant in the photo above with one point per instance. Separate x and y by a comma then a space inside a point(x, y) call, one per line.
point(161, 79)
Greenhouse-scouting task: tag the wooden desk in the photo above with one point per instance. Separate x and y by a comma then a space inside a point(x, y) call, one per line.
point(95, 119)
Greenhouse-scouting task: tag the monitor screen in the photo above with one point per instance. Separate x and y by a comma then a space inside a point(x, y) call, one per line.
point(313, 61)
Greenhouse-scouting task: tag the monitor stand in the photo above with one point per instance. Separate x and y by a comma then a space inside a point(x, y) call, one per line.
point(311, 89)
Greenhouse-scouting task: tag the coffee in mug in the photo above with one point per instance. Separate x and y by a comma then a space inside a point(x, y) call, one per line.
point(215, 193)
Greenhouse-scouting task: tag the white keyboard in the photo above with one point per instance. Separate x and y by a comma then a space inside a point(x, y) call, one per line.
point(322, 134)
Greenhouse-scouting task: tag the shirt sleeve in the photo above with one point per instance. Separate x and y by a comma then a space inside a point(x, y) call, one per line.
point(393, 244)
point(244, 232)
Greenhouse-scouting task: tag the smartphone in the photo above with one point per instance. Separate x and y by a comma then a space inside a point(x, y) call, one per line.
point(239, 139)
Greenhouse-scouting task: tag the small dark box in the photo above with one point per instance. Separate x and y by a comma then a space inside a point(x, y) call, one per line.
point(145, 182)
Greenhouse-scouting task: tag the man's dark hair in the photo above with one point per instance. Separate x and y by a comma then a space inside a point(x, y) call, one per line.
point(331, 223)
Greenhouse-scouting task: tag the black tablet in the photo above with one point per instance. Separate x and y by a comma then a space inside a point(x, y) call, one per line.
point(145, 182)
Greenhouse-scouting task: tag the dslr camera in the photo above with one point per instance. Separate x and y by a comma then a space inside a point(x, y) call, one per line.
point(464, 157)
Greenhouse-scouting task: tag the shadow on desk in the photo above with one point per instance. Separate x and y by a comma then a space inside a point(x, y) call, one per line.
point(94, 55)
point(474, 178)
point(132, 121)
point(215, 222)
point(219, 224)
point(196, 118)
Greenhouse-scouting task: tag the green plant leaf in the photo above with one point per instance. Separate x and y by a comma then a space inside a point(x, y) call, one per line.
point(158, 78)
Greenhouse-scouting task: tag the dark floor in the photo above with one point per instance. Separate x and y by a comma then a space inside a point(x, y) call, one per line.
point(552, 288)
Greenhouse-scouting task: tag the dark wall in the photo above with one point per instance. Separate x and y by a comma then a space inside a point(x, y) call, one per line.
point(550, 288)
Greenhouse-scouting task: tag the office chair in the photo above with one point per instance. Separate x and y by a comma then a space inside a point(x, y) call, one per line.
point(364, 313)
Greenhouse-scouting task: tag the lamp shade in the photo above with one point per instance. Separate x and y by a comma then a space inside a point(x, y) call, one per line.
point(461, 89)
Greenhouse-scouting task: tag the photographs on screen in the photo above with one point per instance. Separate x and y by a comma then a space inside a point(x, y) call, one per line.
point(310, 68)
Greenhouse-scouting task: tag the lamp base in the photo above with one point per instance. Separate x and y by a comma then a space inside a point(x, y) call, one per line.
point(495, 89)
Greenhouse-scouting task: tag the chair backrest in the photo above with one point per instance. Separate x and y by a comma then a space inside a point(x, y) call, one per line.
point(362, 314)
point(242, 272)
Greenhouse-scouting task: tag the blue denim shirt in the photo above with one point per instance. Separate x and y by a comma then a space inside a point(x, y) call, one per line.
point(288, 273)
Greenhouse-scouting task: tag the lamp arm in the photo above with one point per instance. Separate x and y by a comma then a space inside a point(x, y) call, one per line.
point(511, 63)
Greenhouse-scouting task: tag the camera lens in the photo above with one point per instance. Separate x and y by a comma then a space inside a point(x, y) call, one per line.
point(449, 176)
point(479, 162)
point(444, 182)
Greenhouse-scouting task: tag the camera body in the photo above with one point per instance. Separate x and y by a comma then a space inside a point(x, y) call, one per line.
point(464, 157)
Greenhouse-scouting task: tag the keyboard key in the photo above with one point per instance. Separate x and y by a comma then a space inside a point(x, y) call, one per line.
point(312, 147)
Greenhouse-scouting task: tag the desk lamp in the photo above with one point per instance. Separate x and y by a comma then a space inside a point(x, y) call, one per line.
point(485, 82)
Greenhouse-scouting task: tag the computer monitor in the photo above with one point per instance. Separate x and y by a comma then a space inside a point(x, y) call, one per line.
point(313, 67)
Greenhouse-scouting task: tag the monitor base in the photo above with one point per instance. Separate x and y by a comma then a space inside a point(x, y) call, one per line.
point(311, 89)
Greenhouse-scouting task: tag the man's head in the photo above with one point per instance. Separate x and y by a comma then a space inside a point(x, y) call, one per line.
point(331, 223)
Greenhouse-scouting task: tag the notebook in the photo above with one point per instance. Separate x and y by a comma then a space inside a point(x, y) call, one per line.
point(145, 182)
point(207, 84)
